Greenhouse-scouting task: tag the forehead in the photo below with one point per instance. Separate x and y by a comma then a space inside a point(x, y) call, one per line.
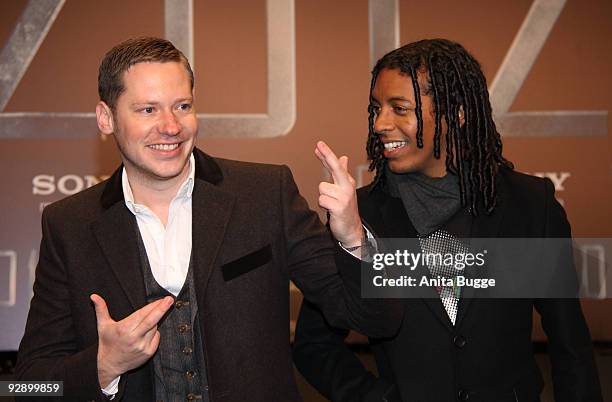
point(156, 76)
point(393, 83)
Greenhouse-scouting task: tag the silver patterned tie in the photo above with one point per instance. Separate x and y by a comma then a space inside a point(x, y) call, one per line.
point(442, 242)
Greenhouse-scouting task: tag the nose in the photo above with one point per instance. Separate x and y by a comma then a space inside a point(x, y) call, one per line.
point(383, 122)
point(169, 124)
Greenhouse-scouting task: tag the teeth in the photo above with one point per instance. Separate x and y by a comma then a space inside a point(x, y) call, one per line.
point(164, 147)
point(394, 145)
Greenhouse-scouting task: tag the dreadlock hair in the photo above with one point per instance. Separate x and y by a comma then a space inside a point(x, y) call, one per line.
point(455, 80)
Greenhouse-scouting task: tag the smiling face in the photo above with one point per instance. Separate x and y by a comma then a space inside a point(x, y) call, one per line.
point(396, 123)
point(154, 122)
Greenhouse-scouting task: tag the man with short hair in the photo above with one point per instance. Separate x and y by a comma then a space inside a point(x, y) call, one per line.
point(186, 259)
point(441, 177)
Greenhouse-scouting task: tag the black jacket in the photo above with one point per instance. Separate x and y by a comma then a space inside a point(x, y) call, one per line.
point(252, 233)
point(487, 355)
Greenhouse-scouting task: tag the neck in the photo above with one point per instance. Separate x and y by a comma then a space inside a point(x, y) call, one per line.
point(156, 194)
point(437, 169)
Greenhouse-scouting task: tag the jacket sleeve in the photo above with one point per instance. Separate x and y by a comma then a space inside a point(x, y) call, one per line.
point(328, 276)
point(48, 349)
point(326, 362)
point(575, 376)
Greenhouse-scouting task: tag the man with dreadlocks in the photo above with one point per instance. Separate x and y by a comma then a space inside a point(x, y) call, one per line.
point(440, 175)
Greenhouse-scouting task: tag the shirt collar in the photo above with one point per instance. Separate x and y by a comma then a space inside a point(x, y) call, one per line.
point(185, 190)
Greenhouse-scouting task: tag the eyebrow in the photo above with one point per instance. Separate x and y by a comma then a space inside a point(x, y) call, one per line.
point(157, 103)
point(145, 103)
point(394, 98)
point(401, 98)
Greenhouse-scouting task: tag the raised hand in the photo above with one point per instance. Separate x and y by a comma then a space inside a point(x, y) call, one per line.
point(127, 344)
point(339, 198)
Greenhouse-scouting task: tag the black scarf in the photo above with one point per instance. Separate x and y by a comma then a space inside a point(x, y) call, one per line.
point(429, 201)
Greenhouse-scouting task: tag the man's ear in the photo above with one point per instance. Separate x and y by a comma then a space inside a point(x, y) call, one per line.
point(104, 117)
point(461, 116)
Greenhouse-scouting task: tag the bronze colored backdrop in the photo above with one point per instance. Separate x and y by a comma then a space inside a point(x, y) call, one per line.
point(286, 73)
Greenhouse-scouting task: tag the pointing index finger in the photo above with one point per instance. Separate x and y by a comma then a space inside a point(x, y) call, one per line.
point(332, 163)
point(153, 317)
point(149, 315)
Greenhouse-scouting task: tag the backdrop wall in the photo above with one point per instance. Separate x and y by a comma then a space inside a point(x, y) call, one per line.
point(273, 77)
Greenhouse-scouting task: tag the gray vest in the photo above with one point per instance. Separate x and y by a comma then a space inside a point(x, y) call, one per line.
point(179, 364)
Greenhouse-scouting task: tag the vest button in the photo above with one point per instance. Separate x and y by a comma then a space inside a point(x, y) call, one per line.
point(191, 397)
point(463, 395)
point(181, 303)
point(190, 374)
point(184, 328)
point(187, 350)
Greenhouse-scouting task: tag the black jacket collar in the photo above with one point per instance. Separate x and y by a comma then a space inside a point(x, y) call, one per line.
point(206, 168)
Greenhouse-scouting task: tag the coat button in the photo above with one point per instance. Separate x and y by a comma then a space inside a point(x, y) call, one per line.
point(459, 341)
point(463, 395)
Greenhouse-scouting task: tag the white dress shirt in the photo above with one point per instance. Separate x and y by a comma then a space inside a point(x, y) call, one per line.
point(168, 248)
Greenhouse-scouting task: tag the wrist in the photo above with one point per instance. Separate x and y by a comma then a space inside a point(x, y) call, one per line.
point(354, 241)
point(106, 373)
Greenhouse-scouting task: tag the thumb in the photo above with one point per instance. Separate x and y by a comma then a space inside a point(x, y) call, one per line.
point(344, 162)
point(102, 314)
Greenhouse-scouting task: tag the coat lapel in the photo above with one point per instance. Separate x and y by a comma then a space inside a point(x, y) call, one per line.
point(397, 224)
point(483, 226)
point(116, 233)
point(211, 212)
